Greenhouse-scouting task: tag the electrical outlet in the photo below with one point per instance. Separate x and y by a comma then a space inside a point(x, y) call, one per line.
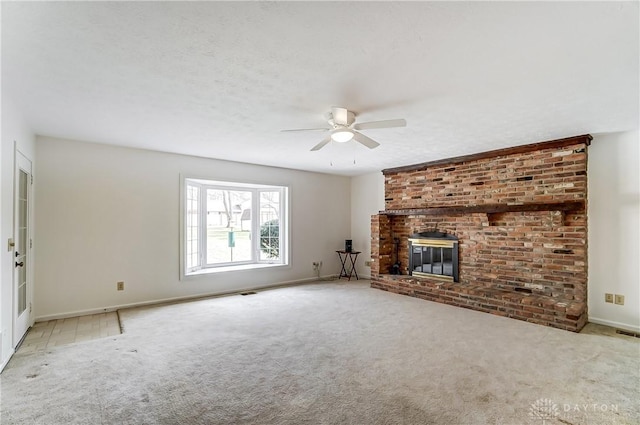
point(608, 298)
point(367, 263)
point(120, 286)
point(619, 299)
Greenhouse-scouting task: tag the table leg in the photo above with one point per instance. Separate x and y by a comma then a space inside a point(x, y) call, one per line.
point(353, 258)
point(343, 271)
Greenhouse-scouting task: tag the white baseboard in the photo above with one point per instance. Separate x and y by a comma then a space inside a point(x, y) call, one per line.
point(613, 324)
point(174, 299)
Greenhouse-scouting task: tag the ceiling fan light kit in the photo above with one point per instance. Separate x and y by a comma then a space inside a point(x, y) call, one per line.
point(343, 128)
point(342, 135)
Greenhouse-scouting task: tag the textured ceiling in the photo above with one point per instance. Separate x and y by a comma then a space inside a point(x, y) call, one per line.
point(221, 79)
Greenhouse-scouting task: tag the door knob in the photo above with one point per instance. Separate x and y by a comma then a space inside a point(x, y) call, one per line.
point(20, 264)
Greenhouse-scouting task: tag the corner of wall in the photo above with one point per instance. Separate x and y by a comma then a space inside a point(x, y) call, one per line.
point(614, 229)
point(367, 199)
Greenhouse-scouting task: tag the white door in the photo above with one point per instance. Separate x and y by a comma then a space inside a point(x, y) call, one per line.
point(21, 254)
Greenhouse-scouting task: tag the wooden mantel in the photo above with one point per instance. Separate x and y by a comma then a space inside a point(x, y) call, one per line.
point(491, 208)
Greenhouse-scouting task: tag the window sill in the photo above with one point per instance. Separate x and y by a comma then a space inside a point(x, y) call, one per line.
point(225, 269)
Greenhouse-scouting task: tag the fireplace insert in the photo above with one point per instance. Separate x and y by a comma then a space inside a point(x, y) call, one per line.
point(434, 254)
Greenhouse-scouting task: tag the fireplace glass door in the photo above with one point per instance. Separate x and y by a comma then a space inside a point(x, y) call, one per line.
point(434, 258)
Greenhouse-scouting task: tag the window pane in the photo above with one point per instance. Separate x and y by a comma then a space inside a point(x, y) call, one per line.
point(192, 220)
point(269, 225)
point(232, 223)
point(228, 226)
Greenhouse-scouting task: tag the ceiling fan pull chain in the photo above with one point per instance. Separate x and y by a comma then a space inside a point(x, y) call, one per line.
point(353, 149)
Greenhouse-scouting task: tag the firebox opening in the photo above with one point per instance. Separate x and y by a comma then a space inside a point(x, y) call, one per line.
point(434, 254)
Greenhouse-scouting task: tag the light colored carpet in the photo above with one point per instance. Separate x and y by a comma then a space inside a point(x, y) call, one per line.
point(326, 353)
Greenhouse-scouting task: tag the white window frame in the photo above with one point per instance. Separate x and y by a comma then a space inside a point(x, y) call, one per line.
point(255, 262)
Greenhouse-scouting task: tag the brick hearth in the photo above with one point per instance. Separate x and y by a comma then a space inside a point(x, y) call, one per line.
point(520, 216)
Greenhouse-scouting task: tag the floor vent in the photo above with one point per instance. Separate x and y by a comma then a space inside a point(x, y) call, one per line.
point(248, 293)
point(628, 333)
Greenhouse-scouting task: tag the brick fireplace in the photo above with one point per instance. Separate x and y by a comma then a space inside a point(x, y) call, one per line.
point(519, 217)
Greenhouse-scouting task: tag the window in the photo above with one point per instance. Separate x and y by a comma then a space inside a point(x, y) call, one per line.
point(232, 224)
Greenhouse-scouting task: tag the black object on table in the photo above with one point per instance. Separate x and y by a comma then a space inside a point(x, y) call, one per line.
point(351, 256)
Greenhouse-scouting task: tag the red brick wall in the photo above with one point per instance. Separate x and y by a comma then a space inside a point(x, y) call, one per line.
point(528, 265)
point(556, 174)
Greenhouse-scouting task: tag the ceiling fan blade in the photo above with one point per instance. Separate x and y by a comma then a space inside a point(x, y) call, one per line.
point(361, 138)
point(381, 124)
point(306, 129)
point(340, 115)
point(321, 144)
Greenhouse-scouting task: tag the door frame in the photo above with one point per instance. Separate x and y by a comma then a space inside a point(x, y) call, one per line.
point(21, 324)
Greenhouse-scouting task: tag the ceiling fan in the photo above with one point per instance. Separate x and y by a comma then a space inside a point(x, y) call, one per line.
point(343, 128)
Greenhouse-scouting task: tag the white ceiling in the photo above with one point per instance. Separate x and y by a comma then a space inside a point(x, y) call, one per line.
point(221, 79)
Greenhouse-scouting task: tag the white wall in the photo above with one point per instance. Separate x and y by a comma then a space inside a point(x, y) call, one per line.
point(109, 214)
point(367, 199)
point(14, 131)
point(614, 228)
